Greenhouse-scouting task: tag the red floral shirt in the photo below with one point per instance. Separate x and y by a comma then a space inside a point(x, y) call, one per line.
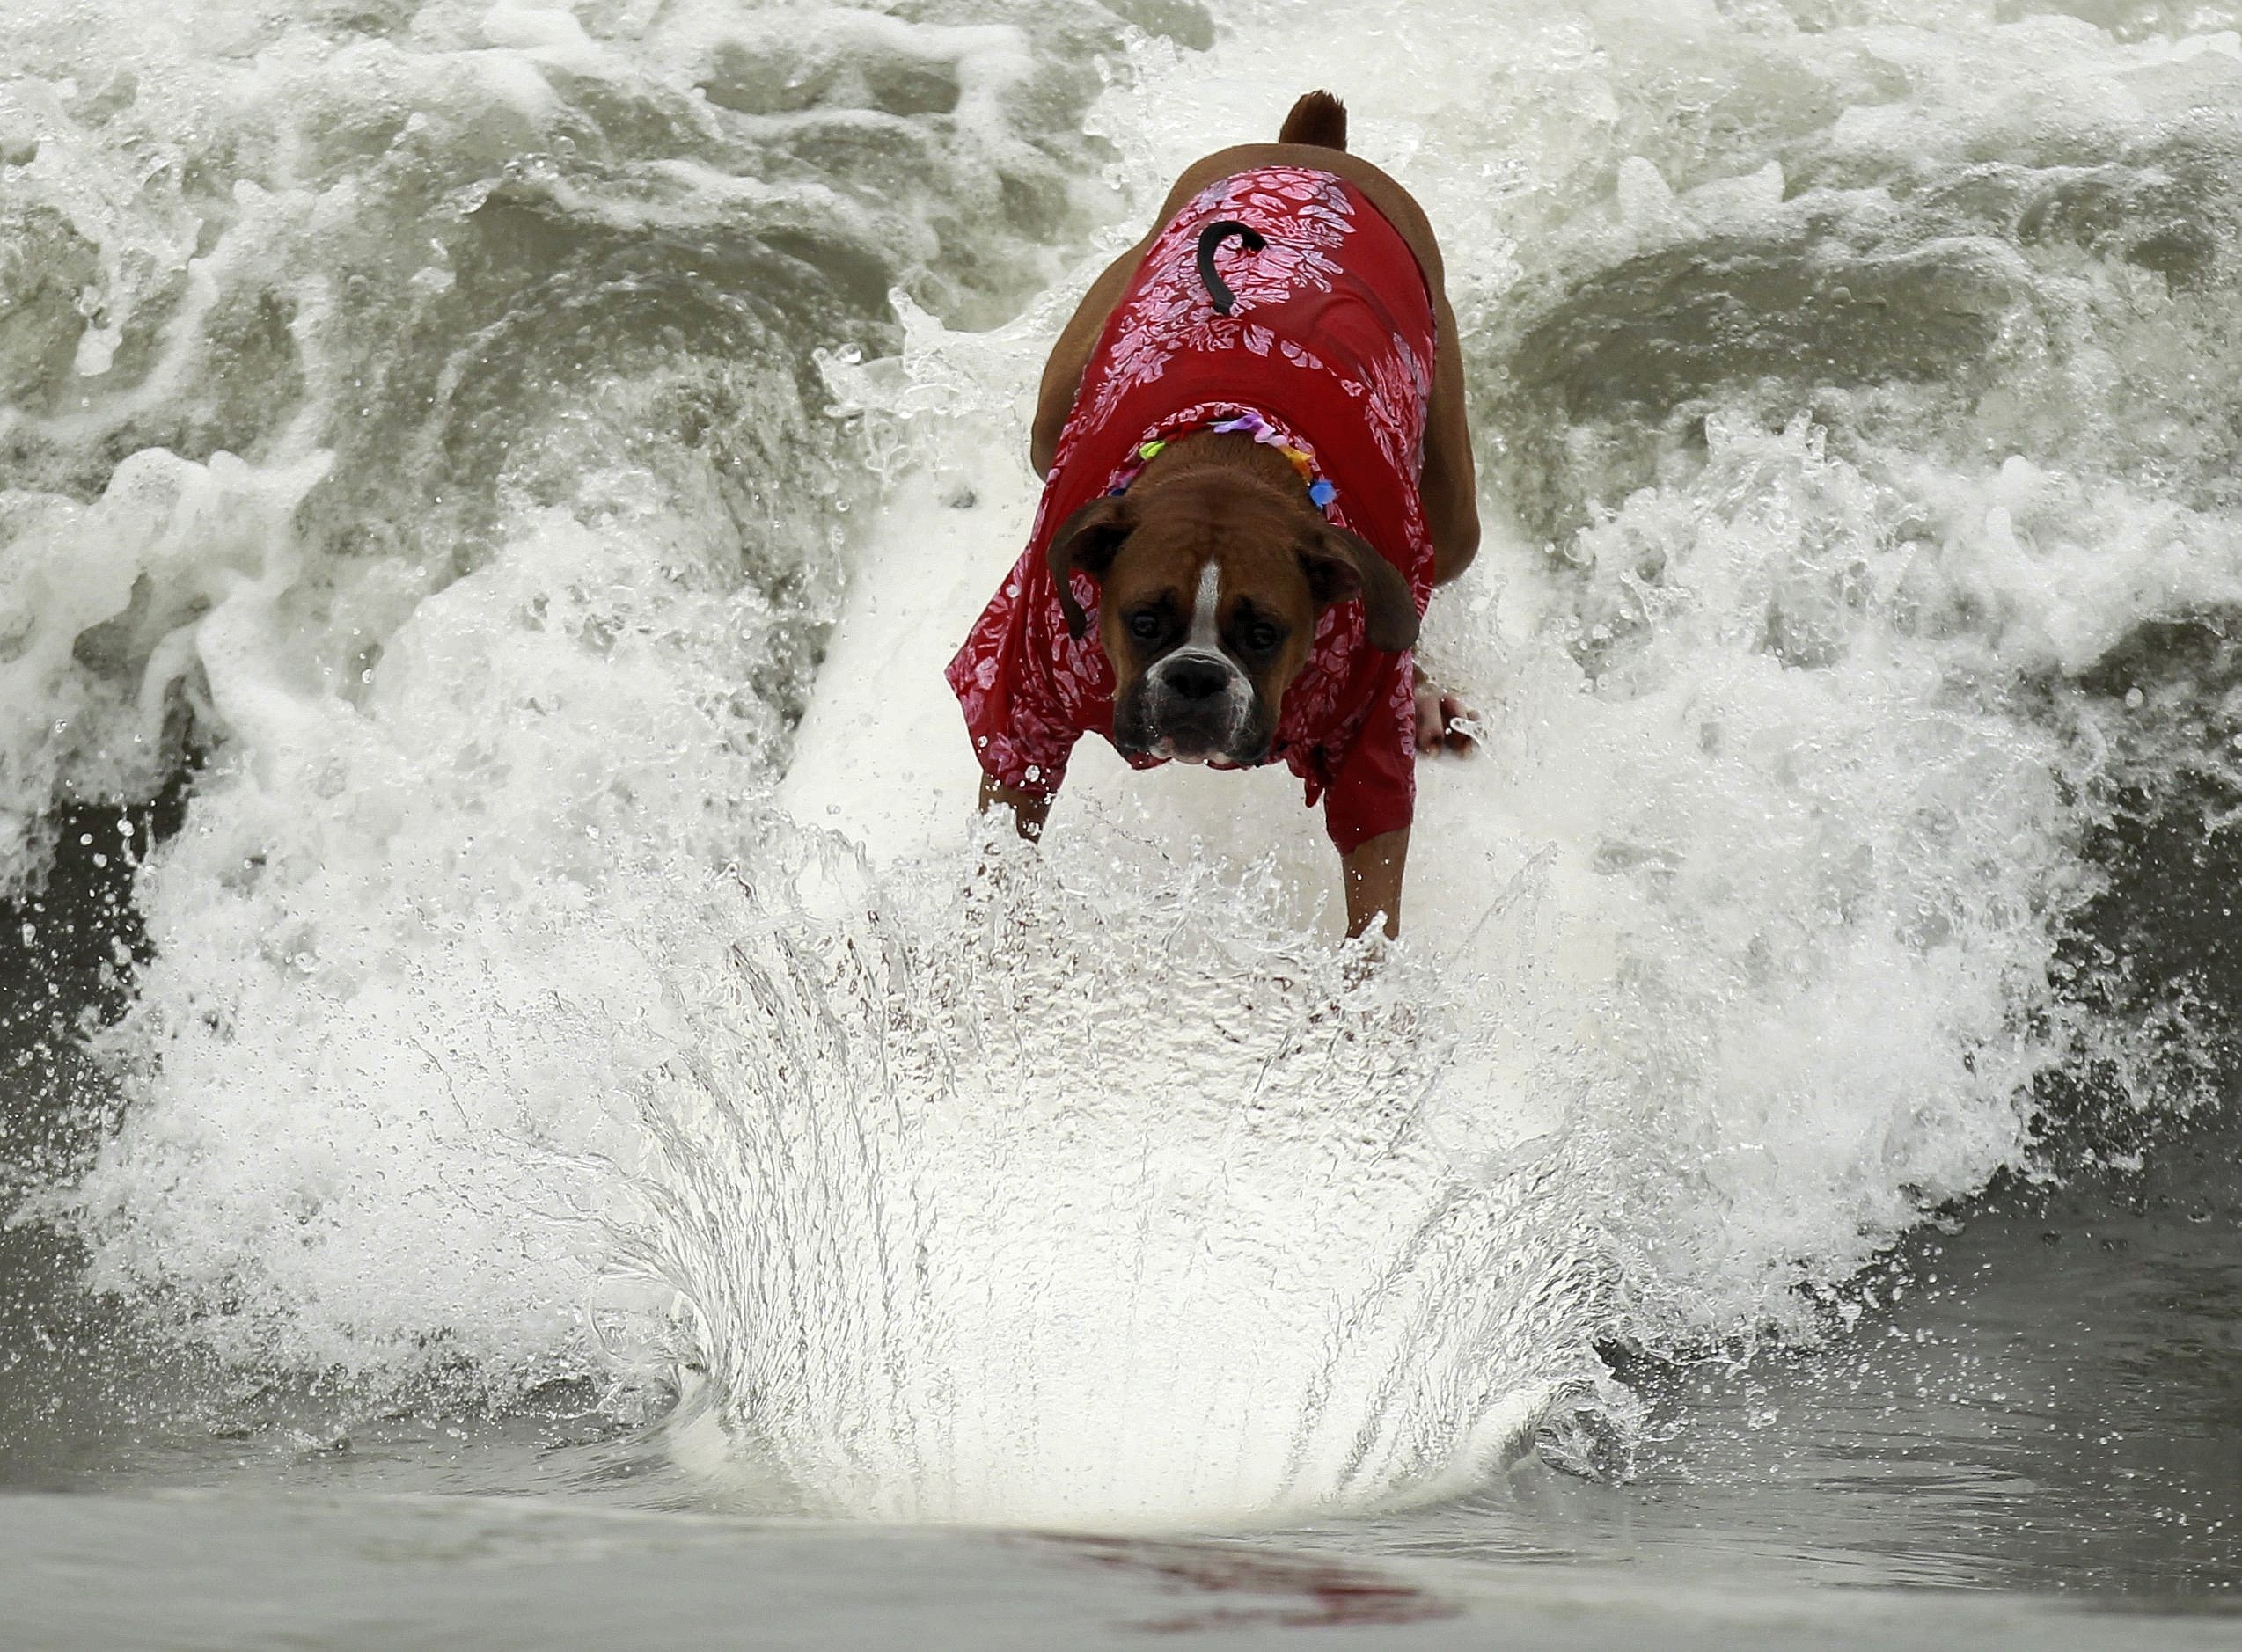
point(1330, 339)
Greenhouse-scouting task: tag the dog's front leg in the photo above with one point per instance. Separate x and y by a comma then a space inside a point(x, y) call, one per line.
point(1373, 876)
point(1028, 811)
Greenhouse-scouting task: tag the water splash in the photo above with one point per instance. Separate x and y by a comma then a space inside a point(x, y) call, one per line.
point(979, 1219)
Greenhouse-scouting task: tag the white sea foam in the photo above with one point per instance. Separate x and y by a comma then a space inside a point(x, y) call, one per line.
point(575, 958)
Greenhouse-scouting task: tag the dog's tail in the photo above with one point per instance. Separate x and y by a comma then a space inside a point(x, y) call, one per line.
point(1318, 118)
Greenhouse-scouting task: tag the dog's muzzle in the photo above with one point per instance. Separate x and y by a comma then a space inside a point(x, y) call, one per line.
point(1197, 705)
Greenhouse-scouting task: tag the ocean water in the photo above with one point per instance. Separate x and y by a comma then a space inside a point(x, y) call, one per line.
point(505, 993)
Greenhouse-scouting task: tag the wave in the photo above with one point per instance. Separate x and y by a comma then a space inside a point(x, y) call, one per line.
point(535, 460)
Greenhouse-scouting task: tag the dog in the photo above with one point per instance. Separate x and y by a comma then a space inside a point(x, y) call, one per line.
point(1257, 466)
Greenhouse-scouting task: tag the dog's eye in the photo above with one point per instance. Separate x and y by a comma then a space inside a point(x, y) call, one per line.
point(1261, 636)
point(1144, 625)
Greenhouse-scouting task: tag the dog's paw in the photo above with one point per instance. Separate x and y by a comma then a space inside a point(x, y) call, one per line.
point(1443, 722)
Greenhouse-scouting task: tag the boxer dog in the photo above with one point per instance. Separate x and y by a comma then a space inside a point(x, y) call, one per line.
point(1256, 469)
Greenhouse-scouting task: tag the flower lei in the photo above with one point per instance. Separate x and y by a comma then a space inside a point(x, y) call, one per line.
point(1320, 491)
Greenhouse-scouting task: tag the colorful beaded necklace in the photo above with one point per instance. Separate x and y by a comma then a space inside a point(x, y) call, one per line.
point(1320, 491)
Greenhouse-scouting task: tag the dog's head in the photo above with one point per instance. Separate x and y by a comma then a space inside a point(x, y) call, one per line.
point(1210, 587)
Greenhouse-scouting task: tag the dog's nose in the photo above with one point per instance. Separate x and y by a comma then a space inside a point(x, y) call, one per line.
point(1197, 679)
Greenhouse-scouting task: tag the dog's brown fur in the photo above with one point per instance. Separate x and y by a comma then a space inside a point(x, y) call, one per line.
point(1229, 499)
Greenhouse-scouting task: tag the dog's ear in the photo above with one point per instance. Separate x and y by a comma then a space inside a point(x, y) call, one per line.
point(1088, 540)
point(1341, 566)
